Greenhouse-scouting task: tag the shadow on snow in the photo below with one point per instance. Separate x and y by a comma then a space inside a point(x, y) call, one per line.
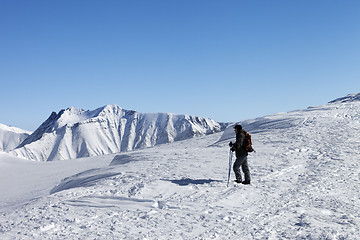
point(188, 181)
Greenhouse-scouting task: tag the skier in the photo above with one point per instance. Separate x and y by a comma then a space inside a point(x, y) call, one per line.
point(241, 156)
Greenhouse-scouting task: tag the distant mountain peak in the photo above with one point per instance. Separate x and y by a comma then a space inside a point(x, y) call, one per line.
point(11, 137)
point(74, 132)
point(347, 98)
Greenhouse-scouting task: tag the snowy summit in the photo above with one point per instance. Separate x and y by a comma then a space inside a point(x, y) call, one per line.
point(11, 137)
point(74, 133)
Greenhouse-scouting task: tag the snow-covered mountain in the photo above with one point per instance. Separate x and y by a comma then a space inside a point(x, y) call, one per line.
point(11, 137)
point(74, 133)
point(305, 185)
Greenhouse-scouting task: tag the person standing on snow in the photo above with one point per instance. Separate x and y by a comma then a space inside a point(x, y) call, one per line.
point(241, 156)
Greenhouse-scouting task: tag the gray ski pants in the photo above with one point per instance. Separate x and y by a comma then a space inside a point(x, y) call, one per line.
point(241, 161)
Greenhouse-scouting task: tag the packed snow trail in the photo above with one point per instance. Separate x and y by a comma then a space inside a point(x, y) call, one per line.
point(305, 185)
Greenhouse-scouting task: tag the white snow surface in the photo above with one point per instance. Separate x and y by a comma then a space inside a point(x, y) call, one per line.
point(75, 133)
point(11, 137)
point(305, 185)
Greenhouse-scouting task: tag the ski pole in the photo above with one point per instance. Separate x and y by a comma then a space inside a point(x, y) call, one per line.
point(230, 161)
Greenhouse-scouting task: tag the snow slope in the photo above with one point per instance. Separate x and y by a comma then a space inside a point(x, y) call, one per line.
point(11, 137)
point(74, 133)
point(305, 185)
point(348, 98)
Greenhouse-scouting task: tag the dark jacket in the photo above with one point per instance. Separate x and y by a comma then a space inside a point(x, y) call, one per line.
point(239, 144)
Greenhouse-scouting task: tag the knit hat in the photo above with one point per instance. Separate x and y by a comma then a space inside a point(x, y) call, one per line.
point(238, 127)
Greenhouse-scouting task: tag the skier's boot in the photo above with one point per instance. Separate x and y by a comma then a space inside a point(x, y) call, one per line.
point(246, 182)
point(238, 181)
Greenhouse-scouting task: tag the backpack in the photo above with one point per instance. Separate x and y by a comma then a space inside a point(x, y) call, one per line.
point(247, 143)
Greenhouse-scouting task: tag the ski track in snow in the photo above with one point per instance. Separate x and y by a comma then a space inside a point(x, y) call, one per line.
point(305, 185)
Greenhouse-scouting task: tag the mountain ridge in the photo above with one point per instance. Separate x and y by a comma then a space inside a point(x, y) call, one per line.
point(119, 130)
point(347, 98)
point(74, 132)
point(11, 137)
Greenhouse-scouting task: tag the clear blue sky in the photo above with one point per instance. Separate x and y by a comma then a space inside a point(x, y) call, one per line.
point(227, 60)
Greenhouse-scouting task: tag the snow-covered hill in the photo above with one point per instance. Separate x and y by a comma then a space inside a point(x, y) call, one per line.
point(305, 185)
point(349, 98)
point(74, 133)
point(343, 110)
point(11, 137)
